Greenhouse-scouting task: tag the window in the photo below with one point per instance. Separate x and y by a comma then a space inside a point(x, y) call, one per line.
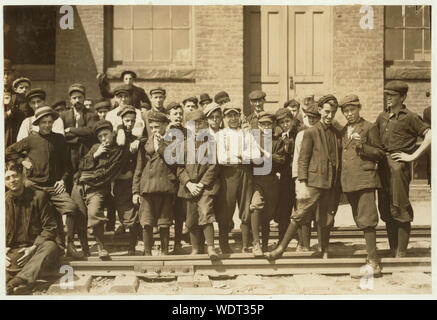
point(152, 34)
point(408, 33)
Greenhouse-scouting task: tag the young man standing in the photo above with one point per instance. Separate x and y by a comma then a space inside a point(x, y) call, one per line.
point(359, 178)
point(257, 99)
point(157, 98)
point(214, 116)
point(398, 129)
point(319, 174)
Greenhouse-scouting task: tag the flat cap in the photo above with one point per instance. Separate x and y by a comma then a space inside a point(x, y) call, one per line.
point(265, 116)
point(192, 99)
point(292, 103)
point(222, 95)
point(156, 116)
point(204, 97)
point(76, 87)
point(312, 109)
point(283, 113)
point(126, 109)
point(42, 112)
point(7, 65)
point(157, 90)
point(172, 105)
point(196, 115)
point(102, 124)
point(228, 107)
point(329, 98)
point(257, 94)
point(134, 75)
point(37, 92)
point(58, 103)
point(102, 104)
point(350, 99)
point(19, 80)
point(126, 88)
point(210, 108)
point(396, 86)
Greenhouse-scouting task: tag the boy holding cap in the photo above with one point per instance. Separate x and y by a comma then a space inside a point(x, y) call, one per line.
point(359, 179)
point(155, 184)
point(48, 168)
point(398, 129)
point(198, 185)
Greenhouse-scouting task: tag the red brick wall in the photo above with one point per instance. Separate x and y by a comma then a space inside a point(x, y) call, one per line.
point(417, 100)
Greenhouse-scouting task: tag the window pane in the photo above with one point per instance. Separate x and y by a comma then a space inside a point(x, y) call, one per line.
point(142, 17)
point(161, 45)
point(180, 16)
point(393, 44)
point(413, 17)
point(161, 17)
point(142, 45)
point(122, 17)
point(393, 16)
point(181, 45)
point(413, 45)
point(427, 15)
point(122, 45)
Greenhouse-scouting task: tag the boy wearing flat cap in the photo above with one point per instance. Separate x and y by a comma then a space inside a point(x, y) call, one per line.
point(102, 108)
point(157, 99)
point(59, 106)
point(48, 168)
point(265, 198)
point(361, 152)
point(155, 184)
point(319, 172)
point(198, 186)
point(214, 116)
point(399, 129)
point(257, 98)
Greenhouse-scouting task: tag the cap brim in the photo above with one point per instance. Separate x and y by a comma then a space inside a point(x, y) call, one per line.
point(392, 92)
point(207, 114)
point(54, 114)
point(226, 111)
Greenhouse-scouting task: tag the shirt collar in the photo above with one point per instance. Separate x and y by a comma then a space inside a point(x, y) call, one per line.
point(402, 110)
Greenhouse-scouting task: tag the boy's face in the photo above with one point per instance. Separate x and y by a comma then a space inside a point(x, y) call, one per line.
point(158, 128)
point(122, 98)
point(88, 104)
point(60, 109)
point(265, 125)
point(23, 87)
point(394, 99)
point(351, 113)
point(190, 106)
point(128, 78)
point(327, 113)
point(105, 136)
point(157, 100)
point(232, 119)
point(36, 103)
point(7, 98)
point(258, 104)
point(294, 109)
point(129, 121)
point(46, 124)
point(8, 76)
point(285, 124)
point(176, 115)
point(77, 99)
point(102, 113)
point(215, 119)
point(14, 181)
point(312, 120)
point(200, 125)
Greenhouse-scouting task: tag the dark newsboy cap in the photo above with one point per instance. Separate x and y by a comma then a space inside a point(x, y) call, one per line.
point(326, 99)
point(76, 87)
point(291, 103)
point(192, 99)
point(157, 90)
point(266, 116)
point(222, 95)
point(102, 124)
point(205, 98)
point(283, 113)
point(156, 116)
point(351, 99)
point(312, 109)
point(126, 109)
point(102, 104)
point(134, 75)
point(59, 103)
point(196, 115)
point(396, 86)
point(172, 105)
point(126, 88)
point(37, 92)
point(257, 94)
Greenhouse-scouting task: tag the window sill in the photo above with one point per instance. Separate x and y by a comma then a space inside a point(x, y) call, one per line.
point(183, 73)
point(408, 70)
point(36, 72)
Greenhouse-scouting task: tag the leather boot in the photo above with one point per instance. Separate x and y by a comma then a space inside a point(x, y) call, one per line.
point(83, 239)
point(289, 234)
point(306, 237)
point(265, 233)
point(194, 238)
point(71, 248)
point(224, 239)
point(404, 230)
point(98, 233)
point(133, 230)
point(165, 239)
point(147, 240)
point(392, 235)
point(245, 235)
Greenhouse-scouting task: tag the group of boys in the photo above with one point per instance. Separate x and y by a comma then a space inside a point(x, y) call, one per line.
point(121, 156)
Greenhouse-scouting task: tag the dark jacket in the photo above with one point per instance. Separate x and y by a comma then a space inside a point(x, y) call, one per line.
point(35, 211)
point(359, 158)
point(152, 173)
point(48, 155)
point(12, 123)
point(314, 163)
point(277, 154)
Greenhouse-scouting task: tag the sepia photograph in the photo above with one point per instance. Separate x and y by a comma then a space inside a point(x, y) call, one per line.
point(196, 149)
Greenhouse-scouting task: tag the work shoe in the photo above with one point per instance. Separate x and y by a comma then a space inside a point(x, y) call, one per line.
point(72, 252)
point(375, 267)
point(212, 254)
point(245, 250)
point(16, 286)
point(177, 249)
point(256, 250)
point(401, 254)
point(226, 249)
point(102, 252)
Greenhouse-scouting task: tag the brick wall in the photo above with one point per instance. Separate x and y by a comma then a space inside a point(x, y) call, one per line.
point(417, 100)
point(358, 59)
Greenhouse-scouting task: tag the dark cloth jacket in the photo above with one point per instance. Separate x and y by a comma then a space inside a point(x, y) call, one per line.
point(314, 163)
point(12, 122)
point(360, 158)
point(34, 209)
point(289, 143)
point(152, 173)
point(48, 155)
point(278, 154)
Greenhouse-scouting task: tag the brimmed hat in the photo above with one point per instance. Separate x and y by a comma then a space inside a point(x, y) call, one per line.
point(126, 88)
point(351, 99)
point(210, 108)
point(102, 104)
point(157, 90)
point(257, 94)
point(228, 107)
point(156, 116)
point(37, 92)
point(19, 80)
point(283, 113)
point(312, 109)
point(291, 103)
point(42, 112)
point(102, 124)
point(204, 97)
point(395, 87)
point(76, 87)
point(265, 116)
point(172, 105)
point(192, 99)
point(196, 115)
point(221, 96)
point(134, 75)
point(126, 109)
